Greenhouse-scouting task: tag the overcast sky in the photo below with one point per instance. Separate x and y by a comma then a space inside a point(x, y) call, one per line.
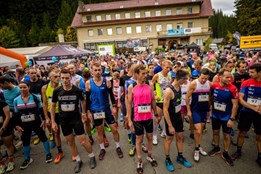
point(227, 6)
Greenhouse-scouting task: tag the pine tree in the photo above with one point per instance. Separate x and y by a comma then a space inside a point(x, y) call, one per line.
point(8, 38)
point(34, 33)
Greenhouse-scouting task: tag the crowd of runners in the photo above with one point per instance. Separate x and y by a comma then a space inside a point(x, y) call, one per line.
point(152, 94)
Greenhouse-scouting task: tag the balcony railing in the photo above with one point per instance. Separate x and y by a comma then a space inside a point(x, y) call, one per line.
point(185, 31)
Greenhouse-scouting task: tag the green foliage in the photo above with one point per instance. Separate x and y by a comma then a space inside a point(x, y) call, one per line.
point(248, 16)
point(159, 50)
point(221, 24)
point(8, 38)
point(207, 42)
point(70, 34)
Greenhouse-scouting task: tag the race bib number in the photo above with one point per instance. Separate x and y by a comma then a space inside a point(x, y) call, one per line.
point(67, 107)
point(177, 108)
point(144, 109)
point(203, 98)
point(220, 107)
point(49, 100)
point(254, 101)
point(28, 118)
point(1, 119)
point(99, 115)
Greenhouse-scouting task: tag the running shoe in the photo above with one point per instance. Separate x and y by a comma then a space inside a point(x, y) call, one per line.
point(78, 167)
point(144, 148)
point(106, 142)
point(183, 161)
point(10, 166)
point(227, 158)
point(26, 163)
point(51, 137)
point(163, 134)
point(202, 152)
point(154, 140)
point(139, 168)
point(58, 158)
point(107, 128)
point(92, 162)
point(48, 158)
point(132, 151)
point(169, 165)
point(36, 140)
point(93, 130)
point(214, 151)
point(2, 169)
point(196, 156)
point(129, 138)
point(102, 154)
point(236, 155)
point(152, 161)
point(119, 152)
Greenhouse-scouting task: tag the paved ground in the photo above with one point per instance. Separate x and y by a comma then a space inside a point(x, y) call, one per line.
point(113, 165)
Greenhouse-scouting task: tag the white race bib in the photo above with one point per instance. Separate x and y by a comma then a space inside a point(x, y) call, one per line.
point(254, 101)
point(220, 107)
point(1, 119)
point(49, 100)
point(67, 107)
point(203, 98)
point(28, 118)
point(99, 115)
point(144, 109)
point(177, 108)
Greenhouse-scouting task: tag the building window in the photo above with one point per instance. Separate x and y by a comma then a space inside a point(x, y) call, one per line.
point(90, 32)
point(109, 31)
point(119, 31)
point(147, 14)
point(117, 16)
point(127, 15)
point(190, 10)
point(158, 27)
point(190, 24)
point(89, 46)
point(128, 30)
point(108, 17)
point(138, 29)
point(179, 25)
point(169, 27)
point(157, 13)
point(137, 14)
point(179, 11)
point(89, 18)
point(148, 28)
point(168, 12)
point(199, 42)
point(98, 18)
point(100, 32)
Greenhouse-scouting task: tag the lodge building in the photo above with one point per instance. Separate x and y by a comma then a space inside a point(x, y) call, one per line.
point(143, 24)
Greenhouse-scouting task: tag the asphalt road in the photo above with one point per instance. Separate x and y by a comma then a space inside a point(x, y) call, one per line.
point(127, 165)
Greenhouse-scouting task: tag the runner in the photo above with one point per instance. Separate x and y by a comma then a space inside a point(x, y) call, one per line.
point(29, 116)
point(98, 90)
point(225, 103)
point(47, 93)
point(141, 97)
point(173, 119)
point(6, 133)
point(68, 96)
point(80, 83)
point(198, 93)
point(250, 98)
point(161, 81)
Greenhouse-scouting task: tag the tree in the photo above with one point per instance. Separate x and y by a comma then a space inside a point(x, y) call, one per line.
point(8, 38)
point(248, 16)
point(70, 34)
point(66, 15)
point(34, 33)
point(46, 33)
